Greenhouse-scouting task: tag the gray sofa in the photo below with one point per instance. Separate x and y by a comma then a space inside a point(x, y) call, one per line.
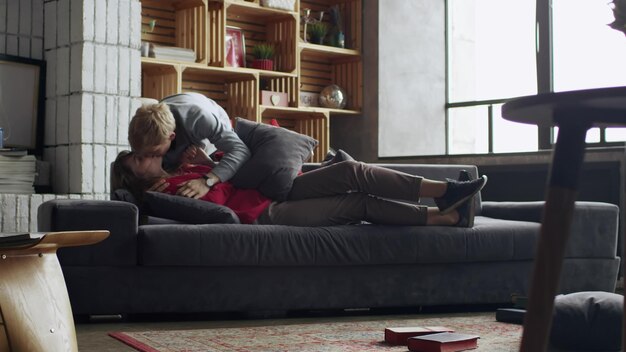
point(181, 268)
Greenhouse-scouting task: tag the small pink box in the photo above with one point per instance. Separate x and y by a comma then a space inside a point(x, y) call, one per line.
point(269, 98)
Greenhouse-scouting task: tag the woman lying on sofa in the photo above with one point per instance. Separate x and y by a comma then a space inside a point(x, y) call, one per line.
point(347, 192)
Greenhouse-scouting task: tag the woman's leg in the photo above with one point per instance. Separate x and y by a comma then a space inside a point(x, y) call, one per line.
point(352, 176)
point(351, 208)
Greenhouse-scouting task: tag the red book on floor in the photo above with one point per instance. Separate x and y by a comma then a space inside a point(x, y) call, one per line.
point(443, 342)
point(399, 336)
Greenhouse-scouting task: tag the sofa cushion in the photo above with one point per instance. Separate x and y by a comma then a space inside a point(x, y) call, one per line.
point(213, 245)
point(187, 210)
point(277, 157)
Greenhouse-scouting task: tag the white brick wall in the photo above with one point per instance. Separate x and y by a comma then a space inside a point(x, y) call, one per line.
point(62, 120)
point(94, 75)
point(21, 28)
point(18, 212)
point(93, 80)
point(112, 14)
point(50, 25)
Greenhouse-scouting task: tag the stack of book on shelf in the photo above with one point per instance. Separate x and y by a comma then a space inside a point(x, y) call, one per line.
point(17, 171)
point(172, 53)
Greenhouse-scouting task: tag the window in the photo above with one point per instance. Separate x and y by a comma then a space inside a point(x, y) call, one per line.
point(587, 52)
point(502, 49)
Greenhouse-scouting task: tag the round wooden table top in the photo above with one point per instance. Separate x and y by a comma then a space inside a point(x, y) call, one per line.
point(600, 107)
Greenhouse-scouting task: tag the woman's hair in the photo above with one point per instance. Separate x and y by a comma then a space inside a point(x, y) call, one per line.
point(151, 126)
point(122, 177)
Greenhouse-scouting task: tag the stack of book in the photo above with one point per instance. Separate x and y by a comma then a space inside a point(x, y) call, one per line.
point(430, 339)
point(17, 171)
point(172, 53)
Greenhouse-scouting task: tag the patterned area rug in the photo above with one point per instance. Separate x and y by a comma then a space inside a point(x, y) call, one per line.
point(343, 336)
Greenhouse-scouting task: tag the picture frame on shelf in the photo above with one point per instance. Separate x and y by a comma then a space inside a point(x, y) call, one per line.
point(308, 99)
point(22, 102)
point(235, 47)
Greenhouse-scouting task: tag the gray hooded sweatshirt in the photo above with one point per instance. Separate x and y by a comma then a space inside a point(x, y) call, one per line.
point(201, 121)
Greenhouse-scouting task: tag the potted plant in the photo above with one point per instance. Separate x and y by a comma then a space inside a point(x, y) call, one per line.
point(263, 56)
point(317, 31)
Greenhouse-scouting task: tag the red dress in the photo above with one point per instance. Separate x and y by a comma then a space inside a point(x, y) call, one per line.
point(248, 204)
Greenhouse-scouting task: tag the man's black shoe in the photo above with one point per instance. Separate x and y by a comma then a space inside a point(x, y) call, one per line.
point(466, 211)
point(458, 193)
point(464, 175)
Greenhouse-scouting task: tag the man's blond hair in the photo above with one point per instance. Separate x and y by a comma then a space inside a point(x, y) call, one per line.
point(151, 126)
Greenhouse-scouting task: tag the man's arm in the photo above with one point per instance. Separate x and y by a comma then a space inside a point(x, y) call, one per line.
point(203, 119)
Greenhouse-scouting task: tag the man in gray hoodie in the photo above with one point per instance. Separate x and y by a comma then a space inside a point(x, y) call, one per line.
point(187, 127)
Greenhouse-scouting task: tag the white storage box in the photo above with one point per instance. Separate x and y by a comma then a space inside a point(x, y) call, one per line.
point(288, 5)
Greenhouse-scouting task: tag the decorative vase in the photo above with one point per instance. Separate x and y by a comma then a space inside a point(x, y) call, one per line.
point(145, 49)
point(317, 39)
point(333, 97)
point(341, 40)
point(263, 64)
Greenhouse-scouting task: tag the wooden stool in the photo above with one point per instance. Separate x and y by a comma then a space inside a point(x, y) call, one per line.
point(35, 311)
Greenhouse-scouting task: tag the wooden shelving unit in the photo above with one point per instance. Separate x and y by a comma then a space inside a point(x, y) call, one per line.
point(299, 67)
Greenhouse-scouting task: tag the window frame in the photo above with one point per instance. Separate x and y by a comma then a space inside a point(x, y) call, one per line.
point(545, 81)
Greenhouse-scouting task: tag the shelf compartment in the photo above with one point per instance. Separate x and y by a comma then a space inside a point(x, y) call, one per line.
point(311, 123)
point(258, 24)
point(351, 18)
point(287, 85)
point(317, 71)
point(329, 52)
point(255, 8)
point(180, 23)
point(236, 92)
point(159, 80)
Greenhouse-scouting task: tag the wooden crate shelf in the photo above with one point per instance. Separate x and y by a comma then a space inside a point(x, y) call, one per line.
point(298, 66)
point(311, 123)
point(258, 24)
point(351, 18)
point(179, 23)
point(158, 79)
point(237, 93)
point(287, 85)
point(318, 70)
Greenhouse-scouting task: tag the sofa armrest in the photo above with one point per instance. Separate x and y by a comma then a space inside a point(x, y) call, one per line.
point(120, 218)
point(594, 228)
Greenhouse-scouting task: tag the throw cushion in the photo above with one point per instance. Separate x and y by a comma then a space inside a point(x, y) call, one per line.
point(587, 321)
point(124, 195)
point(277, 157)
point(187, 210)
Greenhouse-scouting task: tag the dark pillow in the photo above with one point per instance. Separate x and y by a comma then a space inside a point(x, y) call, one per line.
point(587, 321)
point(277, 157)
point(187, 210)
point(334, 157)
point(124, 195)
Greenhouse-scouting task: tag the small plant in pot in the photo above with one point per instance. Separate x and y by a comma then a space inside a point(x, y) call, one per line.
point(263, 56)
point(317, 32)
